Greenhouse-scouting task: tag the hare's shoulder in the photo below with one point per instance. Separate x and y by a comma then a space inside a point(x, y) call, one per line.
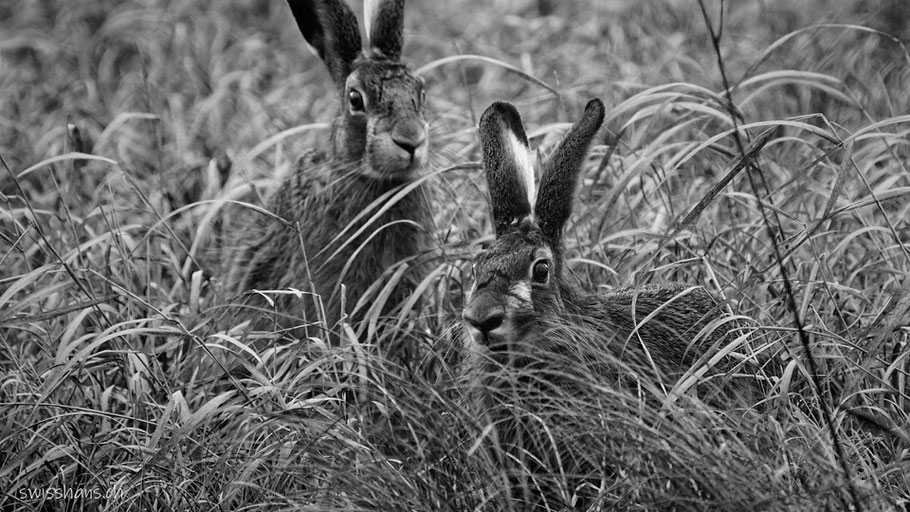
point(674, 303)
point(305, 185)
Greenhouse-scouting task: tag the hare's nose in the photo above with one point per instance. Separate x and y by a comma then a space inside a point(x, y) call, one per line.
point(485, 318)
point(409, 135)
point(409, 143)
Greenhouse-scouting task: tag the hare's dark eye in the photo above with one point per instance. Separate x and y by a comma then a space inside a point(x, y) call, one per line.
point(423, 96)
point(540, 271)
point(355, 99)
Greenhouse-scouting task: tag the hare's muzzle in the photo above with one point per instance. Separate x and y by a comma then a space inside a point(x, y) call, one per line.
point(410, 140)
point(484, 313)
point(400, 151)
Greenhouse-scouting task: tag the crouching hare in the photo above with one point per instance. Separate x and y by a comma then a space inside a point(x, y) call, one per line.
point(520, 285)
point(531, 332)
point(361, 204)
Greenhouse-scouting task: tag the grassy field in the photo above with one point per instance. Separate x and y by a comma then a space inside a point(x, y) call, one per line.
point(125, 126)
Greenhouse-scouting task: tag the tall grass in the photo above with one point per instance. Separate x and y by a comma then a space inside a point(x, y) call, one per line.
point(130, 130)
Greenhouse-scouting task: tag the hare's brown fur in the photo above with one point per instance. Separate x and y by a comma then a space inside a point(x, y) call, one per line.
point(275, 259)
point(520, 281)
point(534, 337)
point(330, 239)
point(669, 341)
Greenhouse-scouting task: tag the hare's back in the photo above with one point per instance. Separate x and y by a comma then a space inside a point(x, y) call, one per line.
point(669, 319)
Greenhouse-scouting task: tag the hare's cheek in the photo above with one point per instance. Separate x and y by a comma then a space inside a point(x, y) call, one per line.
point(423, 149)
point(355, 134)
point(421, 154)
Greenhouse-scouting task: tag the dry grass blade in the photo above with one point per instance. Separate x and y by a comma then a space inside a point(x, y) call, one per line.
point(64, 158)
point(260, 148)
point(777, 45)
point(57, 312)
point(426, 68)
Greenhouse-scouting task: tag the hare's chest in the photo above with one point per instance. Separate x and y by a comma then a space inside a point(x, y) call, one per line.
point(395, 243)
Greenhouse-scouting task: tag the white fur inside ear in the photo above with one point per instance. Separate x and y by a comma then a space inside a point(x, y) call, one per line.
point(312, 49)
point(525, 167)
point(370, 9)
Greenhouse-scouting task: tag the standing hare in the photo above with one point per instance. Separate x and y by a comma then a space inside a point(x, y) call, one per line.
point(359, 208)
point(534, 337)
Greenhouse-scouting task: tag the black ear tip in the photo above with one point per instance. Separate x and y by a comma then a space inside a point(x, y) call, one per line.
point(499, 109)
point(596, 107)
point(505, 113)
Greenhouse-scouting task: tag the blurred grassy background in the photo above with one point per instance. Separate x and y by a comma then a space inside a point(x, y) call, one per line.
point(105, 326)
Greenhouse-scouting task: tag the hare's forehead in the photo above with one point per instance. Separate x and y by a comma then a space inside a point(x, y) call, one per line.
point(510, 255)
point(375, 77)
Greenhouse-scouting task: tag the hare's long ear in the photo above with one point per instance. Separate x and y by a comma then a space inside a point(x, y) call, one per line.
point(384, 20)
point(331, 30)
point(507, 162)
point(560, 173)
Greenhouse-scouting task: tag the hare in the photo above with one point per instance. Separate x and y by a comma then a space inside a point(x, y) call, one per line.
point(361, 205)
point(522, 312)
point(520, 283)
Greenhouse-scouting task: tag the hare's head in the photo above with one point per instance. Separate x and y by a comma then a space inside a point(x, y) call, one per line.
point(382, 122)
point(519, 278)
